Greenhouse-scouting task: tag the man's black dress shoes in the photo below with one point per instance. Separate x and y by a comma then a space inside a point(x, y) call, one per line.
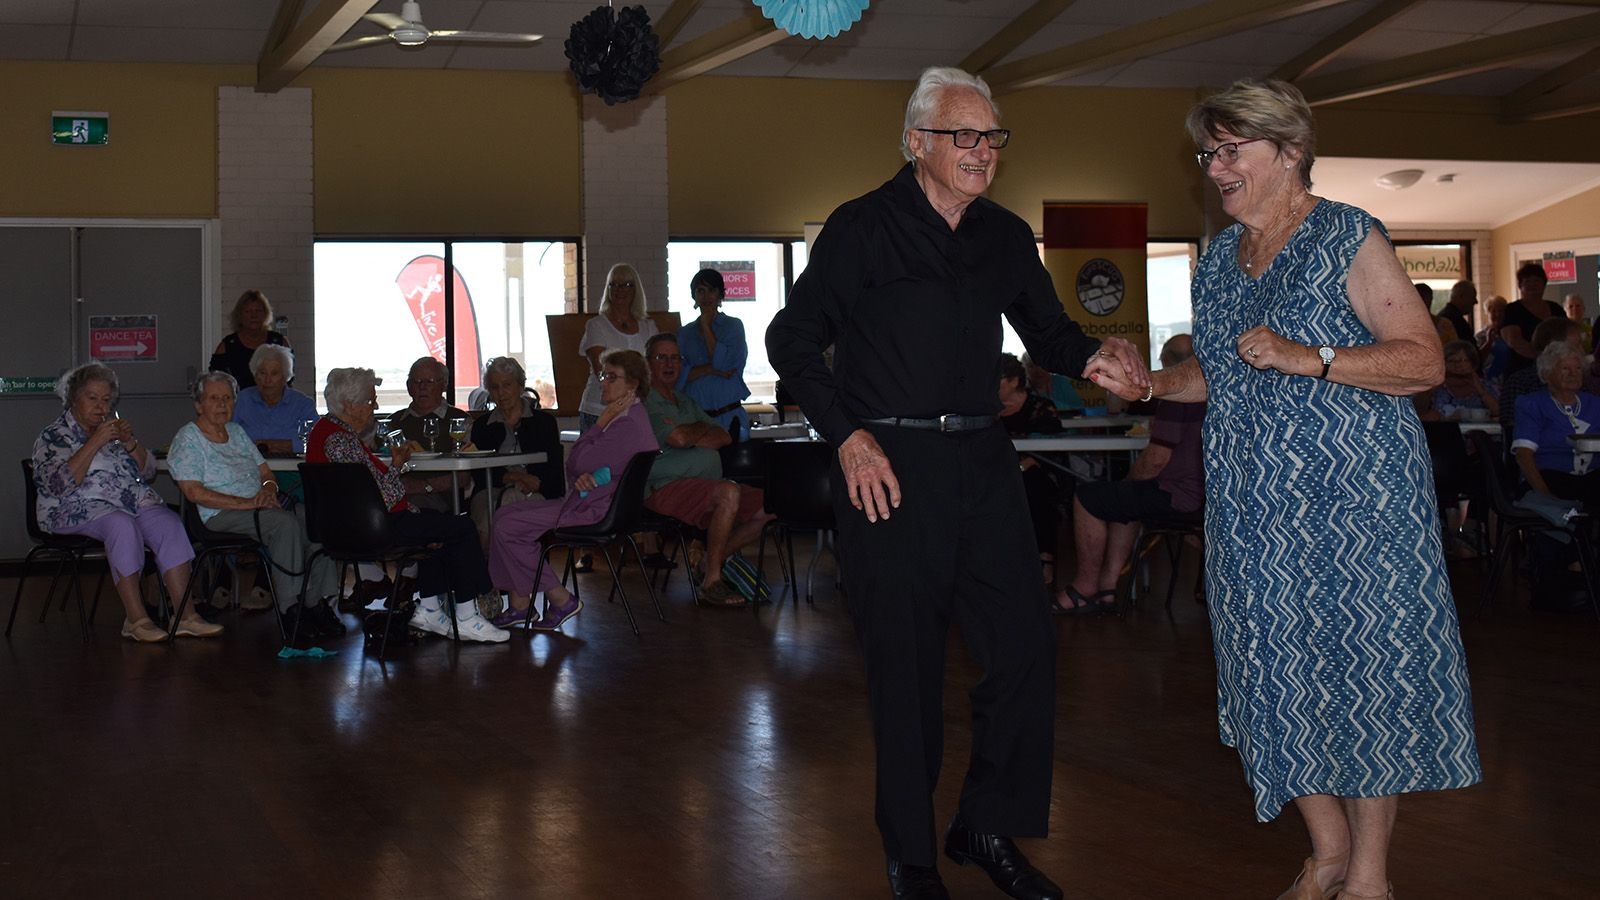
point(919, 882)
point(1007, 867)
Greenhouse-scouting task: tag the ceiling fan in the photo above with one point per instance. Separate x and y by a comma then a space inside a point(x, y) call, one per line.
point(407, 30)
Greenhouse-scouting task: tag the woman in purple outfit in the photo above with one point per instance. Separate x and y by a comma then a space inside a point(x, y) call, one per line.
point(621, 431)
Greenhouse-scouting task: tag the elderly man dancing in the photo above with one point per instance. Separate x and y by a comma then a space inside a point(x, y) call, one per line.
point(908, 284)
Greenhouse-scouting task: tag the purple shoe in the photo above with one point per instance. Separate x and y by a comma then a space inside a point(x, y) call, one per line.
point(557, 616)
point(513, 618)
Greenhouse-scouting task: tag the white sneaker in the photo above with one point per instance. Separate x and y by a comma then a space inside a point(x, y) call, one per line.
point(475, 627)
point(436, 621)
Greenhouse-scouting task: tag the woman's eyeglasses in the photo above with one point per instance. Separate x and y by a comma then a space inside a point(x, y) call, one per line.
point(1229, 153)
point(608, 376)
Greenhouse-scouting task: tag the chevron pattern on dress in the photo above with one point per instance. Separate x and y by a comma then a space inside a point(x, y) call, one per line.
point(1339, 663)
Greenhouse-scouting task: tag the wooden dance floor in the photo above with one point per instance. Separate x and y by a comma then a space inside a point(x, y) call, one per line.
point(725, 754)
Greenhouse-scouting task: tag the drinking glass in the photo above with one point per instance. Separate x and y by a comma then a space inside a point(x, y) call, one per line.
point(430, 430)
point(302, 433)
point(458, 433)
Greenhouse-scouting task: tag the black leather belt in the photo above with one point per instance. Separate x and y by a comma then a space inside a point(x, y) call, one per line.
point(946, 422)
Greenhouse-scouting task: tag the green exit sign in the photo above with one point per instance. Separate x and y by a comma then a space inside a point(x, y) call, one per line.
point(89, 129)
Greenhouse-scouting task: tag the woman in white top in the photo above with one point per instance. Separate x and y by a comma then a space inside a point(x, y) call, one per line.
point(621, 325)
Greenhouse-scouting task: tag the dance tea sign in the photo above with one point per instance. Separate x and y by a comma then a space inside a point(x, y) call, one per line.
point(123, 338)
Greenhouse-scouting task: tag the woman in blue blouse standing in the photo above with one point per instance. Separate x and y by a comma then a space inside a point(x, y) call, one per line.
point(714, 354)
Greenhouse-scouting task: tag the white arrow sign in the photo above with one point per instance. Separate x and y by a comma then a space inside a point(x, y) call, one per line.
point(138, 348)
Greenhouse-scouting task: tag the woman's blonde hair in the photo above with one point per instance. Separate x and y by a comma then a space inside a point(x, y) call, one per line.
point(1274, 110)
point(638, 290)
point(250, 296)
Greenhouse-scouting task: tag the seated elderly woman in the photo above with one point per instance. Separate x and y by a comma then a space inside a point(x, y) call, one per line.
point(92, 475)
point(457, 565)
point(516, 425)
point(1463, 393)
point(621, 430)
point(220, 471)
point(271, 412)
point(1545, 419)
point(1024, 411)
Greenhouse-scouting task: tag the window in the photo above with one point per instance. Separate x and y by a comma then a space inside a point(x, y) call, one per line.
point(757, 277)
point(381, 305)
point(1437, 265)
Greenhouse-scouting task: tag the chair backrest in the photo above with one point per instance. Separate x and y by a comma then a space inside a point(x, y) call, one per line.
point(746, 462)
point(344, 510)
point(200, 533)
point(1494, 475)
point(799, 483)
point(627, 501)
point(30, 502)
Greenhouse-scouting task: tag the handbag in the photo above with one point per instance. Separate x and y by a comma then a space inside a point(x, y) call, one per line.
point(746, 579)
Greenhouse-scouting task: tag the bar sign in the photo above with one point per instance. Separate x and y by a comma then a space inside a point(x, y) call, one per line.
point(89, 129)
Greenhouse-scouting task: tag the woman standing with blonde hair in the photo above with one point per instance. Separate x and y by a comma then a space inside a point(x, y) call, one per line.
point(1340, 676)
point(251, 320)
point(621, 325)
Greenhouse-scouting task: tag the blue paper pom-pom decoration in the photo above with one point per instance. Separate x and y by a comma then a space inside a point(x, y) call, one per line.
point(813, 18)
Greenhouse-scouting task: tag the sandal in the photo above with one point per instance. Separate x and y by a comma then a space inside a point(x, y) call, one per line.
point(1081, 605)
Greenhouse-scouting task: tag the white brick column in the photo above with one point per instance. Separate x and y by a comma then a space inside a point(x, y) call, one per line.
point(264, 200)
point(625, 194)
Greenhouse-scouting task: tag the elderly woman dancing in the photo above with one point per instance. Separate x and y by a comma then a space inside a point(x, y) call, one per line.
point(1340, 676)
point(219, 470)
point(622, 430)
point(92, 474)
point(458, 566)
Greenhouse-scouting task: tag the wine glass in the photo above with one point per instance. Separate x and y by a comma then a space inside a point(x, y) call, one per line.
point(458, 434)
point(116, 417)
point(302, 434)
point(430, 430)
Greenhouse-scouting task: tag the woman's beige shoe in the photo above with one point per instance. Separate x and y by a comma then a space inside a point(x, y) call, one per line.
point(1388, 894)
point(1305, 884)
point(194, 626)
point(144, 631)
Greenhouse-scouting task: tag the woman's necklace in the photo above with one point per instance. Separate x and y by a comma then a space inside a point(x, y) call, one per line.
point(1573, 408)
point(1270, 237)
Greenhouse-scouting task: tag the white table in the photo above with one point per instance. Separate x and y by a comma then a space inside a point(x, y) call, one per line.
point(1490, 428)
point(786, 431)
point(445, 463)
point(1121, 423)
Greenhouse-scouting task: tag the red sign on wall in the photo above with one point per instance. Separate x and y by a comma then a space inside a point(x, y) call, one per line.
point(1560, 267)
point(123, 338)
point(738, 278)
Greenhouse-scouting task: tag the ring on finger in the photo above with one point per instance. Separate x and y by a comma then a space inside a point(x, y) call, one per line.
point(1252, 353)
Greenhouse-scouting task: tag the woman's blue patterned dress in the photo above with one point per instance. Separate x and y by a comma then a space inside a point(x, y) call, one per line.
point(1339, 662)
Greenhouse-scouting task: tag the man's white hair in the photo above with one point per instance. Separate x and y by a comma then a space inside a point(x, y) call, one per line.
point(924, 100)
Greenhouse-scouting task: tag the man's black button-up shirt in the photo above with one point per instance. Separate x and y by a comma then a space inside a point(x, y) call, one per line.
point(912, 309)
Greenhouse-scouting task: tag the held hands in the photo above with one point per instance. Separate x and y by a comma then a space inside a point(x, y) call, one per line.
point(1263, 348)
point(266, 498)
point(1120, 368)
point(399, 455)
point(869, 479)
point(585, 482)
point(528, 484)
point(113, 430)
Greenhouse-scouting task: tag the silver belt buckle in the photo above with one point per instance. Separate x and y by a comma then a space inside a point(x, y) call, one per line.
point(944, 421)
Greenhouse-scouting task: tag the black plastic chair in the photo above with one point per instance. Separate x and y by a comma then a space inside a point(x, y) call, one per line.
point(1172, 533)
point(745, 462)
point(622, 519)
point(1515, 523)
point(208, 545)
point(799, 493)
point(345, 514)
point(68, 550)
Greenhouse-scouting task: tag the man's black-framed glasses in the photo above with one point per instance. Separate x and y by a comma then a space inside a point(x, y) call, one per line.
point(967, 138)
point(1229, 153)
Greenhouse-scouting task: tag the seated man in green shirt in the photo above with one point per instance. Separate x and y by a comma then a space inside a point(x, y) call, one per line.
point(686, 481)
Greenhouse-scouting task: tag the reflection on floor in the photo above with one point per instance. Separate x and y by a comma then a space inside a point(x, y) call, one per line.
point(724, 754)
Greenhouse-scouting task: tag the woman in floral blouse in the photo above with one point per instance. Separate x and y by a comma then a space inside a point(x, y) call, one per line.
point(92, 475)
point(458, 565)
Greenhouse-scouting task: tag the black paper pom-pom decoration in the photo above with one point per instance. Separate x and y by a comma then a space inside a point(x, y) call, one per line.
point(614, 52)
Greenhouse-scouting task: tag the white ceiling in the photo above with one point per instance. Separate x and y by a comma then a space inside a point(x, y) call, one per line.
point(1483, 195)
point(895, 39)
